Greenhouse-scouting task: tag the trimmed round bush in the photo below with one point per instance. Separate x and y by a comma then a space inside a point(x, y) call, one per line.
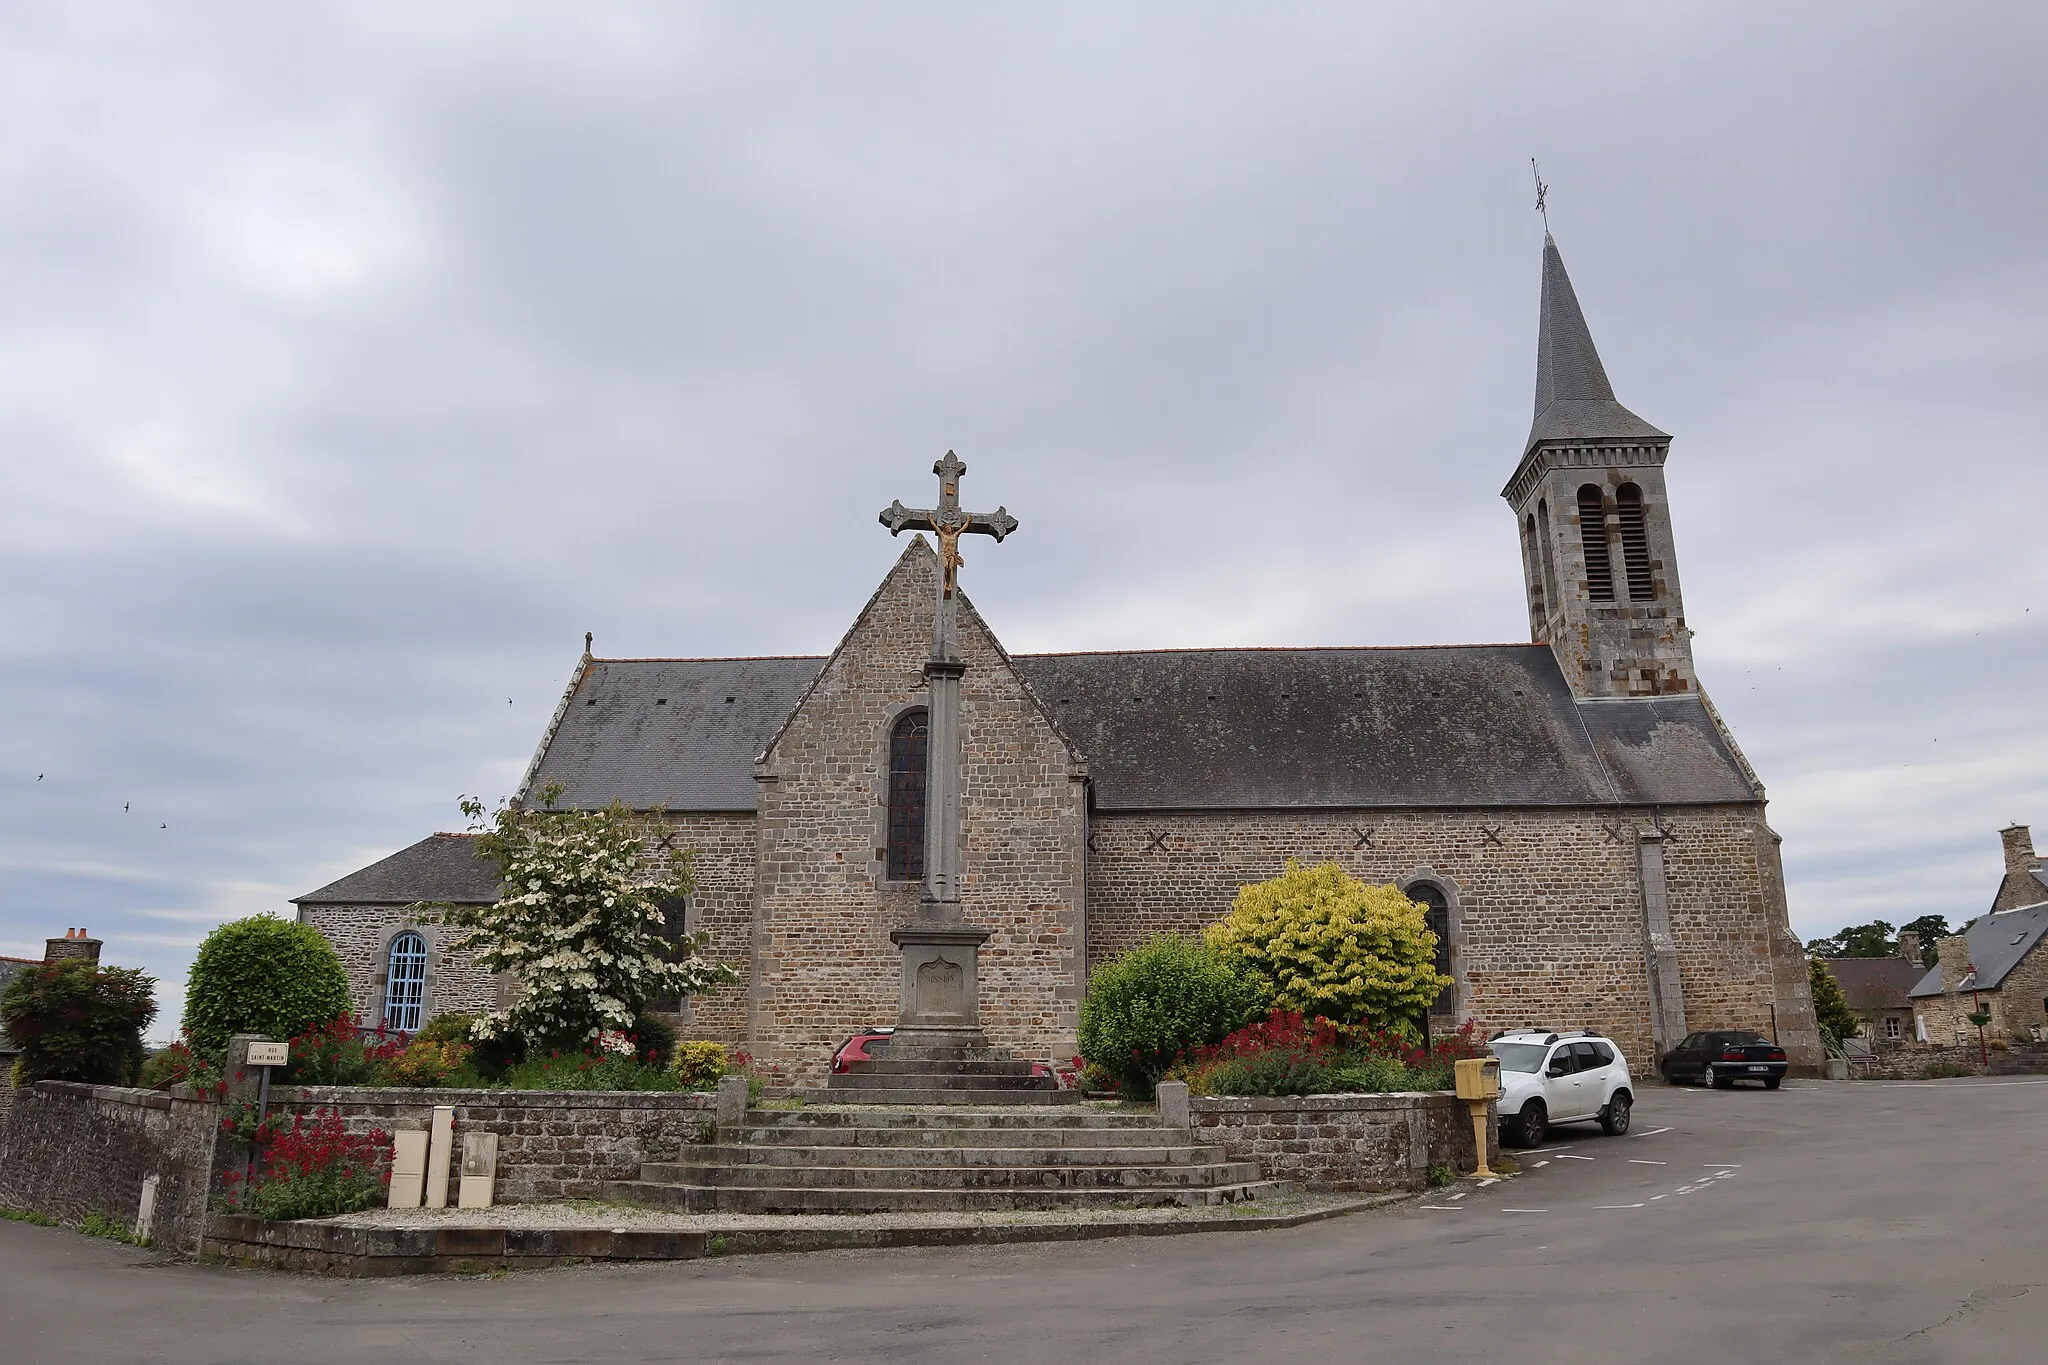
point(262, 975)
point(1166, 995)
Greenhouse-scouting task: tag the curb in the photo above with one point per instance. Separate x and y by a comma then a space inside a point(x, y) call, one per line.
point(316, 1247)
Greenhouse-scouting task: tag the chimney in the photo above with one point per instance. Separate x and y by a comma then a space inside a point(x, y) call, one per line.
point(76, 944)
point(2019, 887)
point(1909, 946)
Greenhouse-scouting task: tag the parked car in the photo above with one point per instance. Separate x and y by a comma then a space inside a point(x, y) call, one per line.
point(1721, 1057)
point(1548, 1078)
point(870, 1043)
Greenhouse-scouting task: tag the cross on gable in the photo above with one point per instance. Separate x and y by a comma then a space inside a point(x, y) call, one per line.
point(947, 521)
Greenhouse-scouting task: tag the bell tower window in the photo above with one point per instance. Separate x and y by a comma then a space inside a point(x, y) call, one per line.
point(909, 741)
point(1635, 542)
point(1593, 534)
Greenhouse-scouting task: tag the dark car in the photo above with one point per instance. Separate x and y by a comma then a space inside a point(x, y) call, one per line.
point(1721, 1057)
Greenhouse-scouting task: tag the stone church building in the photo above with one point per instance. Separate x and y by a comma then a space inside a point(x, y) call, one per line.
point(1588, 837)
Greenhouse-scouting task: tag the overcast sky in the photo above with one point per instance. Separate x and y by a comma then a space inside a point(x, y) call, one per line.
point(356, 359)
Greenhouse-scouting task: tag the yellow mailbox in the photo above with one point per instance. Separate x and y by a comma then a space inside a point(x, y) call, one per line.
point(1478, 1082)
point(1479, 1078)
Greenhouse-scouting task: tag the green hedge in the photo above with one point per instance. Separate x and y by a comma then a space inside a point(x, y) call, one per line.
point(1165, 995)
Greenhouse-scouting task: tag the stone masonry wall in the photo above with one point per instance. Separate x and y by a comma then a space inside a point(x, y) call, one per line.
point(722, 853)
point(551, 1145)
point(1548, 918)
point(1345, 1143)
point(68, 1149)
point(823, 963)
point(362, 934)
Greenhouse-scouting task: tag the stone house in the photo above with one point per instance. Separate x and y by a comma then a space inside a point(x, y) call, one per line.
point(1587, 837)
point(1876, 989)
point(2000, 965)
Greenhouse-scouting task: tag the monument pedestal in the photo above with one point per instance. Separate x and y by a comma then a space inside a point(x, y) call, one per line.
point(940, 995)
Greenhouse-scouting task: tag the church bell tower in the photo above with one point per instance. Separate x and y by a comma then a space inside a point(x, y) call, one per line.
point(1594, 522)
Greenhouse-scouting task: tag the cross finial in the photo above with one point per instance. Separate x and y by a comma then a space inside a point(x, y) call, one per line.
point(1542, 195)
point(947, 521)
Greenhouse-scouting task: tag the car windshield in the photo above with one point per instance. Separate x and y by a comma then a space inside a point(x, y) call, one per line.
point(1520, 1056)
point(1744, 1040)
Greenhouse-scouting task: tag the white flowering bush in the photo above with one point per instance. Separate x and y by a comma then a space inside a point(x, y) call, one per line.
point(579, 923)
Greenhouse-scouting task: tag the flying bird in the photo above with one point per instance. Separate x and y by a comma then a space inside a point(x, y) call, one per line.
point(39, 777)
point(124, 807)
point(163, 826)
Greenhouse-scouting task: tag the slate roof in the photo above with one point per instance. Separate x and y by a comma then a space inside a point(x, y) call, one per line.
point(1872, 984)
point(679, 733)
point(1450, 725)
point(1454, 725)
point(1574, 401)
point(1997, 944)
point(440, 867)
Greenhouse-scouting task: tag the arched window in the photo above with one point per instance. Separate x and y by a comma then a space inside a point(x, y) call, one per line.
point(1593, 534)
point(1436, 908)
point(1635, 542)
point(1532, 564)
point(1543, 545)
point(908, 743)
point(405, 982)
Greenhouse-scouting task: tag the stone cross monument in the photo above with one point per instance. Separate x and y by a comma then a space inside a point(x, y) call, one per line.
point(939, 947)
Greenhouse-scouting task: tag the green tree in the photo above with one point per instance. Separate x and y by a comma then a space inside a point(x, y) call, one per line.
point(1333, 946)
point(1830, 1007)
point(1875, 939)
point(264, 975)
point(1162, 997)
point(77, 1021)
point(580, 924)
point(1932, 929)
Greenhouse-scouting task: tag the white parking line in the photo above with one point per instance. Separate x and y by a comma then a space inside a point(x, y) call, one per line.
point(1720, 1165)
point(1454, 1198)
point(1441, 1208)
point(1653, 1132)
point(1638, 1161)
point(1490, 1180)
point(1575, 1158)
point(1617, 1206)
point(1525, 1210)
point(1655, 1197)
point(1539, 1165)
point(1545, 1151)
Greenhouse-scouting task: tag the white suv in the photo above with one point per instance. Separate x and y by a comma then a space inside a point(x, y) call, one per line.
point(1548, 1078)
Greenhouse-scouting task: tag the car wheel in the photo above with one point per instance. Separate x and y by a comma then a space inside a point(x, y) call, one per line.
point(1614, 1116)
point(1533, 1125)
point(1772, 1083)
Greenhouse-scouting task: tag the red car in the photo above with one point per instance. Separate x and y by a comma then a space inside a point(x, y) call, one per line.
point(870, 1043)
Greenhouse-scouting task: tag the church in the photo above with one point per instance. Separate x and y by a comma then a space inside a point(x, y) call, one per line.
point(1587, 837)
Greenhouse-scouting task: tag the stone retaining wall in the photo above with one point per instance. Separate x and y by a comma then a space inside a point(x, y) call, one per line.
point(1345, 1143)
point(67, 1150)
point(1911, 1063)
point(551, 1144)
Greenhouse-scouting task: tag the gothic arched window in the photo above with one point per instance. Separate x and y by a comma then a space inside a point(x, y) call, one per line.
point(1593, 534)
point(1436, 908)
point(908, 744)
point(405, 982)
point(1550, 598)
point(1635, 542)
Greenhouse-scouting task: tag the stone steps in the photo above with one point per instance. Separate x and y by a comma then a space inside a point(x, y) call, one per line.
point(727, 1199)
point(930, 1159)
point(1069, 1176)
point(848, 1154)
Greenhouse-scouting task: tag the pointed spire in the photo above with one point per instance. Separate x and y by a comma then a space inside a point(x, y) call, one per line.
point(1574, 401)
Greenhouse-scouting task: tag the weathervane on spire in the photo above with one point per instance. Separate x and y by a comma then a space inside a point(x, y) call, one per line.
point(1542, 194)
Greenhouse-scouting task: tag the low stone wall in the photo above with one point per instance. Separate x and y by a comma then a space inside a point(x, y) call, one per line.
point(141, 1157)
point(551, 1144)
point(1912, 1063)
point(1345, 1143)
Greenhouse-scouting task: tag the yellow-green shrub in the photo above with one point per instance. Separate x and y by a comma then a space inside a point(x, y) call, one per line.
point(700, 1065)
point(1330, 945)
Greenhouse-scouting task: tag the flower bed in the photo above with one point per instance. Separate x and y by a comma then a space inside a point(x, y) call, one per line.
point(1285, 1054)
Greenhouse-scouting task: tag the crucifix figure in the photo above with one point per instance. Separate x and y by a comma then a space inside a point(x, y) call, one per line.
point(939, 949)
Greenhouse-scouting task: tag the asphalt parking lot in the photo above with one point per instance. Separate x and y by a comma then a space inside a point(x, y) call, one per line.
point(1869, 1222)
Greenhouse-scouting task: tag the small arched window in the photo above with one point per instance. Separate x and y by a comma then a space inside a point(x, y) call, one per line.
point(908, 745)
point(1593, 535)
point(1543, 548)
point(1532, 563)
point(405, 982)
point(1436, 909)
point(1635, 542)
